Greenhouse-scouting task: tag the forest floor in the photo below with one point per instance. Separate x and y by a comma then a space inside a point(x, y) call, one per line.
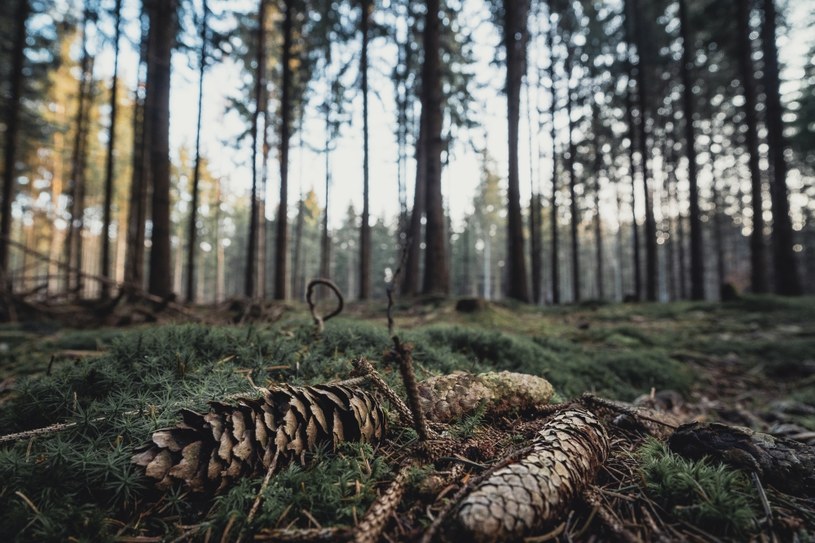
point(750, 362)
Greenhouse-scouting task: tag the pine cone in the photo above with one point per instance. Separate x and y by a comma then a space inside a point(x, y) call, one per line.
point(208, 451)
point(453, 396)
point(525, 496)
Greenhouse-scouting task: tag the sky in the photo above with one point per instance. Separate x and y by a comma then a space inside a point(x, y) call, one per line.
point(307, 171)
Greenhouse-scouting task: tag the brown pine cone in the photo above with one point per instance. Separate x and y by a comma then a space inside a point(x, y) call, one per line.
point(208, 451)
point(525, 496)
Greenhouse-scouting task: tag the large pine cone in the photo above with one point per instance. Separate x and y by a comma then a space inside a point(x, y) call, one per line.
point(459, 394)
point(524, 496)
point(208, 451)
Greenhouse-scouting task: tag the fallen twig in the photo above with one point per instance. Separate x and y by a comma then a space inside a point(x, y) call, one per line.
point(319, 320)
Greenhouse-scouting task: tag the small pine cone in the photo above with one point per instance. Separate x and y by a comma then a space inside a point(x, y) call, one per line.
point(453, 396)
point(209, 451)
point(525, 496)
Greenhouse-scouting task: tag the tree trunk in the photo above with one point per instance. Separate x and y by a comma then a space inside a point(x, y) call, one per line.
point(281, 242)
point(758, 269)
point(436, 269)
point(410, 285)
point(787, 281)
point(651, 271)
point(325, 239)
point(134, 257)
point(73, 246)
point(365, 227)
point(632, 131)
point(297, 278)
point(12, 120)
point(697, 265)
point(598, 226)
point(219, 247)
point(572, 183)
point(196, 172)
point(550, 38)
point(516, 36)
point(250, 281)
point(109, 159)
point(163, 26)
point(534, 213)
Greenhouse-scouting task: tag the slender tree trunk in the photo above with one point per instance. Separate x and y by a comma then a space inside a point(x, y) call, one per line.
point(250, 281)
point(73, 246)
point(516, 36)
point(297, 266)
point(651, 271)
point(219, 247)
point(697, 265)
point(12, 120)
point(598, 226)
point(137, 214)
point(635, 233)
point(575, 220)
point(196, 171)
point(436, 269)
point(680, 228)
point(365, 227)
point(553, 209)
point(758, 264)
point(281, 262)
point(325, 239)
point(787, 281)
point(411, 283)
point(534, 213)
point(163, 25)
point(109, 158)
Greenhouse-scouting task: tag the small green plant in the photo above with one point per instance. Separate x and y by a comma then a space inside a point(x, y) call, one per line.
point(713, 497)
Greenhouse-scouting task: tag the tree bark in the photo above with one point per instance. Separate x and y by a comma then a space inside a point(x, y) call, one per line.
point(281, 260)
point(787, 281)
point(250, 281)
point(758, 259)
point(632, 131)
point(163, 26)
point(109, 159)
point(550, 38)
point(697, 265)
point(365, 227)
point(516, 36)
point(196, 171)
point(436, 269)
point(572, 184)
point(534, 213)
point(651, 271)
point(12, 120)
point(73, 245)
point(134, 257)
point(598, 226)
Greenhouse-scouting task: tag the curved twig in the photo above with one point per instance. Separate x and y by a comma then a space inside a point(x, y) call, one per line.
point(312, 305)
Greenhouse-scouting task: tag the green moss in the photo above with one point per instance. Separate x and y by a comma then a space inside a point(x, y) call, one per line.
point(713, 497)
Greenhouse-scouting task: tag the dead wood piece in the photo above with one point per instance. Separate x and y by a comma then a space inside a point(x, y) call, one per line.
point(783, 463)
point(305, 535)
point(471, 305)
point(209, 451)
point(370, 528)
point(525, 496)
point(459, 394)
